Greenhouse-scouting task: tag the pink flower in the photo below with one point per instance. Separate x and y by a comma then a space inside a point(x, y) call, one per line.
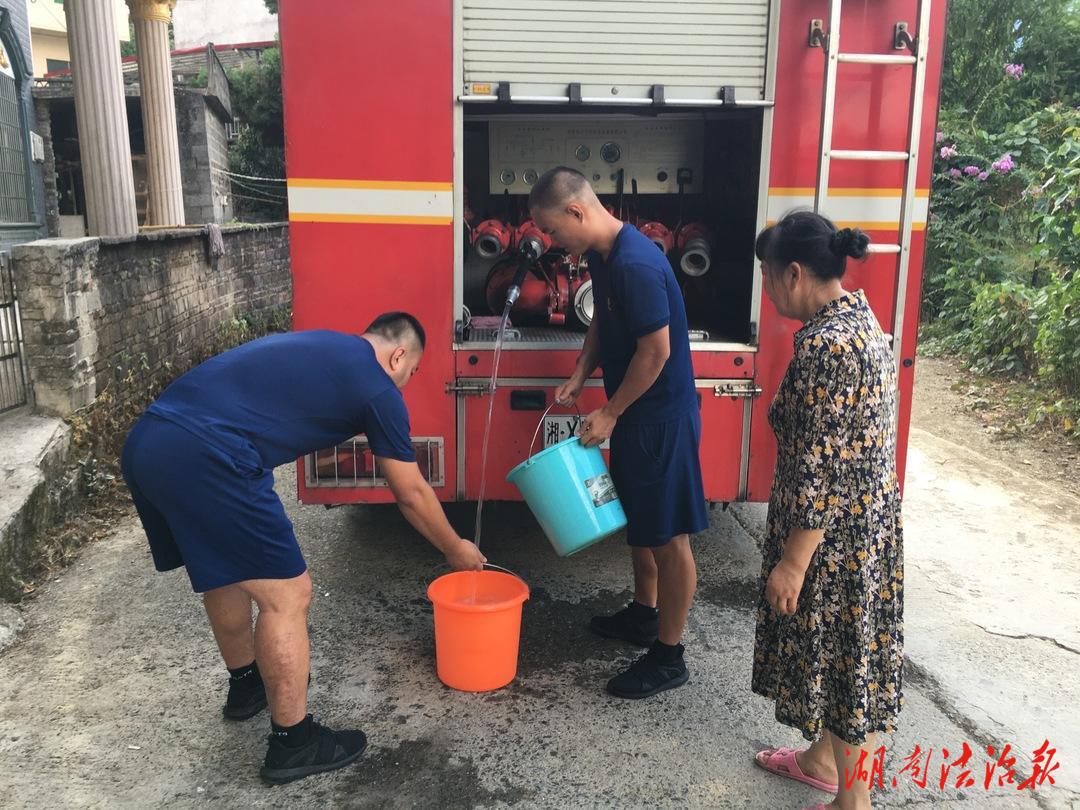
point(941, 137)
point(983, 175)
point(947, 152)
point(1004, 164)
point(1014, 71)
point(955, 174)
point(971, 171)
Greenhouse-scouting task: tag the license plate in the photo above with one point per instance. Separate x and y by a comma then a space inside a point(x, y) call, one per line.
point(560, 428)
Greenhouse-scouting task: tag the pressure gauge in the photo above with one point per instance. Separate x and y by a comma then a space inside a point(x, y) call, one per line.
point(530, 176)
point(507, 177)
point(610, 152)
point(583, 153)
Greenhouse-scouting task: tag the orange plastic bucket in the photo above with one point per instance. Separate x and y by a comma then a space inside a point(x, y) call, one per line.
point(477, 628)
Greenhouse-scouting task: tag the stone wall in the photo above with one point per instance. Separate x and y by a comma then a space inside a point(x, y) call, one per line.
point(204, 155)
point(94, 309)
point(217, 153)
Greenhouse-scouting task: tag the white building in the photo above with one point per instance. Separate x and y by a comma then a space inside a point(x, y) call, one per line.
point(197, 22)
point(48, 33)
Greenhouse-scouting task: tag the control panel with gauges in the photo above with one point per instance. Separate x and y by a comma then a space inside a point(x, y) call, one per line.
point(658, 154)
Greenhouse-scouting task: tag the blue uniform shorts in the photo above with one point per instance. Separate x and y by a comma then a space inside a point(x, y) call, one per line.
point(207, 510)
point(656, 470)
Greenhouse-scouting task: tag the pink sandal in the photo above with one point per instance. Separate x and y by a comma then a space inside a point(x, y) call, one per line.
point(782, 762)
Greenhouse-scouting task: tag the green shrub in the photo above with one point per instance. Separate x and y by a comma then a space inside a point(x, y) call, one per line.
point(1057, 344)
point(1004, 324)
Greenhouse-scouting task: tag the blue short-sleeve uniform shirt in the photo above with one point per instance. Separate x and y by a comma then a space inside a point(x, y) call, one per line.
point(635, 294)
point(283, 396)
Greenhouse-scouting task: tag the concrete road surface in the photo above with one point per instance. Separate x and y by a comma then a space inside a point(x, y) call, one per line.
point(112, 695)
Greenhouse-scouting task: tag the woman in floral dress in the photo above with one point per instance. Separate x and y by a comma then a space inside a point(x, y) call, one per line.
point(829, 646)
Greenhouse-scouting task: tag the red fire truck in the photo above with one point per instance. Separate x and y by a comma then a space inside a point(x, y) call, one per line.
point(414, 130)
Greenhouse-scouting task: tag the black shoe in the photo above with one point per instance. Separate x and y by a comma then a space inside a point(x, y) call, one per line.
point(244, 701)
point(326, 750)
point(634, 623)
point(651, 674)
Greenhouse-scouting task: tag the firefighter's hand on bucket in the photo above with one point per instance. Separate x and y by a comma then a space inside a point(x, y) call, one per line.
point(567, 393)
point(597, 427)
point(420, 506)
point(465, 556)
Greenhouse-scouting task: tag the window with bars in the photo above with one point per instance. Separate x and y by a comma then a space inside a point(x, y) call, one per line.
point(14, 183)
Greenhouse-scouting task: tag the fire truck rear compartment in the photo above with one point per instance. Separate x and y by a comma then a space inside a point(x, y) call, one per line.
point(689, 181)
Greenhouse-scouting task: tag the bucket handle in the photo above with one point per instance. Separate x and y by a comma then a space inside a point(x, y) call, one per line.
point(540, 424)
point(504, 570)
point(497, 568)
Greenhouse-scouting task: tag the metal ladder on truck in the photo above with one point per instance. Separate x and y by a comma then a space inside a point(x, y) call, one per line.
point(829, 41)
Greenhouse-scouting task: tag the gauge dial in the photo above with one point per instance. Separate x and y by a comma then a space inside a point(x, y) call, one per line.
point(507, 177)
point(583, 153)
point(611, 152)
point(530, 176)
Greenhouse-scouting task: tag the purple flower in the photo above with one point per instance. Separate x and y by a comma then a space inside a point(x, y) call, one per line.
point(983, 175)
point(947, 152)
point(971, 171)
point(955, 174)
point(1004, 164)
point(1014, 71)
point(941, 137)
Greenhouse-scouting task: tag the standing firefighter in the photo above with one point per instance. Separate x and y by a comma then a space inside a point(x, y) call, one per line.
point(199, 464)
point(639, 337)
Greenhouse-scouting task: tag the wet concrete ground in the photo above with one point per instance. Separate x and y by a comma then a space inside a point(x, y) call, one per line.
point(111, 698)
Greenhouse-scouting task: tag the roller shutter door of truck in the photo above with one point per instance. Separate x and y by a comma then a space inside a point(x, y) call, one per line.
point(616, 48)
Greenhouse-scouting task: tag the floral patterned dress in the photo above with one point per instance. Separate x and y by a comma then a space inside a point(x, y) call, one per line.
point(837, 663)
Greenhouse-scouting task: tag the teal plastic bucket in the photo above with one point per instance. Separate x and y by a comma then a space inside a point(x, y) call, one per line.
point(569, 490)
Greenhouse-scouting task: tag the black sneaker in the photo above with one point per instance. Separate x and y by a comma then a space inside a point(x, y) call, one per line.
point(244, 701)
point(635, 623)
point(650, 675)
point(326, 750)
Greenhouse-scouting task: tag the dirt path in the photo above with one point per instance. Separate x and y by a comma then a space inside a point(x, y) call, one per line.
point(964, 413)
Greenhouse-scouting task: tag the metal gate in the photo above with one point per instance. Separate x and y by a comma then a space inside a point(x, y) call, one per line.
point(12, 376)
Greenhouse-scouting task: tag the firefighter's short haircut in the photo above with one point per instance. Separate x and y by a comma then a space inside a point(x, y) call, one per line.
point(397, 327)
point(557, 187)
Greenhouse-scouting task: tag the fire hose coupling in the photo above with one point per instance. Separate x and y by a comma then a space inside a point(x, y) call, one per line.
point(492, 238)
point(532, 243)
point(694, 241)
point(659, 234)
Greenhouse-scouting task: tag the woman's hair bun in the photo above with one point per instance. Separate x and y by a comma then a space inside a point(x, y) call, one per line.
point(849, 242)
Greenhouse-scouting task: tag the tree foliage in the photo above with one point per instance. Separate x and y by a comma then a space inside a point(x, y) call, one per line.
point(259, 151)
point(1002, 283)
